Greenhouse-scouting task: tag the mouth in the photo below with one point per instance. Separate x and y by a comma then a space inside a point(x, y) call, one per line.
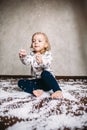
point(36, 46)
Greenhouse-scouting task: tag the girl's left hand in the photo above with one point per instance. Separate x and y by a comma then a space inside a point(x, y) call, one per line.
point(39, 58)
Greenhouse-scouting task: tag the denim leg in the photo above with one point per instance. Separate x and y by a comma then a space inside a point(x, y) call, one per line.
point(43, 85)
point(50, 81)
point(27, 85)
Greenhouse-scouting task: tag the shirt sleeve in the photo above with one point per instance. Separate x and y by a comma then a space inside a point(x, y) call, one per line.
point(27, 60)
point(47, 59)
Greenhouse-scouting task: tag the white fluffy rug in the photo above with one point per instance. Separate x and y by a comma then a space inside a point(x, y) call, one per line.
point(23, 111)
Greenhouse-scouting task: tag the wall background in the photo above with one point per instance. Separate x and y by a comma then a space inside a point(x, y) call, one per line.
point(64, 21)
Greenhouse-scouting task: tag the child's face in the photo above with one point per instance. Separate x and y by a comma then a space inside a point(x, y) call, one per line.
point(38, 42)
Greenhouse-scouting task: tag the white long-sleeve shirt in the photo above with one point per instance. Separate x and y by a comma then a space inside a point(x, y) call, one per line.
point(36, 69)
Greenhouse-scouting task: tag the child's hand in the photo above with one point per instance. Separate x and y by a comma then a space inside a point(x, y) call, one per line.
point(22, 53)
point(39, 58)
point(57, 94)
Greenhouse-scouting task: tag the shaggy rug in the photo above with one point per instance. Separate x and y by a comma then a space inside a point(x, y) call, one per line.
point(23, 111)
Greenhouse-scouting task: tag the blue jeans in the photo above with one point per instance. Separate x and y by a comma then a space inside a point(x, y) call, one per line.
point(46, 82)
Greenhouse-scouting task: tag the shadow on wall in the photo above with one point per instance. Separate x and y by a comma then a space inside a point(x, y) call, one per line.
point(82, 28)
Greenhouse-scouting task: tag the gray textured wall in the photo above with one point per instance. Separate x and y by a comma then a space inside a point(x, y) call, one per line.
point(64, 21)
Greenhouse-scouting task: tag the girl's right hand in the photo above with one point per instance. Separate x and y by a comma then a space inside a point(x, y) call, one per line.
point(22, 53)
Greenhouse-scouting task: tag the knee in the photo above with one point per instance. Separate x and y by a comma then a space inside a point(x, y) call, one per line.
point(20, 82)
point(45, 74)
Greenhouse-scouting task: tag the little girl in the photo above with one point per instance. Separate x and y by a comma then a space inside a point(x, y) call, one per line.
point(40, 60)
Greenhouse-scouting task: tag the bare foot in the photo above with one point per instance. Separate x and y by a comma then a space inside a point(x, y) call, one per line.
point(38, 92)
point(57, 94)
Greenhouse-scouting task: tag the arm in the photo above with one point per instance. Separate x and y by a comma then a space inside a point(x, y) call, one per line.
point(45, 60)
point(25, 59)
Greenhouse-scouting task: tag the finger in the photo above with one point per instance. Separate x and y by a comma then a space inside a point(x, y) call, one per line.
point(22, 51)
point(37, 59)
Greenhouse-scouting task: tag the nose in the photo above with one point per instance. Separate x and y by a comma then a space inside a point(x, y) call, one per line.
point(36, 42)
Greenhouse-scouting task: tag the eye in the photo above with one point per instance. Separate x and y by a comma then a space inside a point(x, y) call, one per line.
point(40, 41)
point(33, 41)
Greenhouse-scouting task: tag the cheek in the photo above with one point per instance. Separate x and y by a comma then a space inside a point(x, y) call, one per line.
point(33, 44)
point(42, 46)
